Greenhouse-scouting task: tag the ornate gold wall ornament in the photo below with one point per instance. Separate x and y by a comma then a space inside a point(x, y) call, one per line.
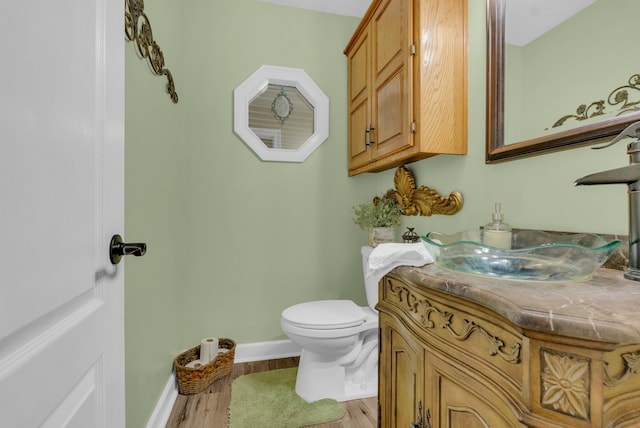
point(631, 365)
point(617, 97)
point(565, 383)
point(421, 200)
point(422, 309)
point(137, 28)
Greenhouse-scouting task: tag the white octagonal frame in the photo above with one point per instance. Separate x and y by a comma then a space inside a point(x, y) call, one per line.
point(256, 84)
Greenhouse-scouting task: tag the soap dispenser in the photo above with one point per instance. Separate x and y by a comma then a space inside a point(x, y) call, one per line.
point(497, 233)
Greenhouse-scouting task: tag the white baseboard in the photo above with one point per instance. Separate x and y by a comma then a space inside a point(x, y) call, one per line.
point(245, 352)
point(161, 413)
point(260, 351)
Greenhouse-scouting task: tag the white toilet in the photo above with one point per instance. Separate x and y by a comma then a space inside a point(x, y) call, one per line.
point(339, 342)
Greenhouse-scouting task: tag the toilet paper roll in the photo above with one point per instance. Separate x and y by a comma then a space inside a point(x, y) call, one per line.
point(194, 364)
point(208, 349)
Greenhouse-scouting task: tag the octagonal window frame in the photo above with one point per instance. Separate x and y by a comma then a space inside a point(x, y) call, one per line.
point(255, 85)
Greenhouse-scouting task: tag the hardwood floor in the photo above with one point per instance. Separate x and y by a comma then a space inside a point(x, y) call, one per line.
point(208, 409)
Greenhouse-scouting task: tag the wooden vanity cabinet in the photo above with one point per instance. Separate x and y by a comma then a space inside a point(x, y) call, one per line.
point(447, 362)
point(422, 378)
point(421, 386)
point(407, 83)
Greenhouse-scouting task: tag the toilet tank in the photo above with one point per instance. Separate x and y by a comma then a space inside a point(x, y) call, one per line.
point(370, 284)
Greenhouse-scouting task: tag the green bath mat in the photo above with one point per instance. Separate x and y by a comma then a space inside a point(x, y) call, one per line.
point(269, 400)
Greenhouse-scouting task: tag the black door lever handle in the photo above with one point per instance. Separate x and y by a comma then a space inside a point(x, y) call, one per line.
point(117, 249)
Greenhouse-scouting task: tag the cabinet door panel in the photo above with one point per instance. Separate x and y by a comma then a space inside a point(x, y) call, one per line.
point(359, 154)
point(359, 102)
point(392, 97)
point(404, 379)
point(390, 34)
point(402, 374)
point(391, 117)
point(359, 69)
point(458, 408)
point(462, 401)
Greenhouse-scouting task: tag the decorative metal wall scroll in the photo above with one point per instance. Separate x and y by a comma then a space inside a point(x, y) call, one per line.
point(618, 97)
point(421, 200)
point(138, 29)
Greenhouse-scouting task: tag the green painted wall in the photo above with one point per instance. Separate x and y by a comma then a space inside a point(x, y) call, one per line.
point(265, 235)
point(155, 210)
point(234, 240)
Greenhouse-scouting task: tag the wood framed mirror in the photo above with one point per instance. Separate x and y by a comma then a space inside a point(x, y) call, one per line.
point(606, 49)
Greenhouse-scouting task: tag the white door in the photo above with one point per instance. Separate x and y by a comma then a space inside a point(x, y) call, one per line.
point(61, 200)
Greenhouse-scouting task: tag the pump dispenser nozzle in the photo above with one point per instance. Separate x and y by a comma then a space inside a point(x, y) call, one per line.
point(497, 233)
point(497, 215)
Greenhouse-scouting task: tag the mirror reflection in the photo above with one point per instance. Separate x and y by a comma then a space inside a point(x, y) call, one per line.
point(281, 117)
point(561, 74)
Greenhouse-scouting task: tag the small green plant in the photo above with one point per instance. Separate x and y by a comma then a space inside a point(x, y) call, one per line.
point(382, 212)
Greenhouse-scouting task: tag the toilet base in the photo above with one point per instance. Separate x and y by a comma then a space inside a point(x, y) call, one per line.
point(353, 377)
point(357, 391)
point(329, 382)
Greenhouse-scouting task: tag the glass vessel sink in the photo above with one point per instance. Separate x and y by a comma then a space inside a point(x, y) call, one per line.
point(534, 255)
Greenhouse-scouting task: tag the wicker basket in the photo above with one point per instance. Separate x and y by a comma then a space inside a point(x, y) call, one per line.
point(193, 380)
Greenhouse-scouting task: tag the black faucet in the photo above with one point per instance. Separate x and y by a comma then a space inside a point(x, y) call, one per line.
point(629, 175)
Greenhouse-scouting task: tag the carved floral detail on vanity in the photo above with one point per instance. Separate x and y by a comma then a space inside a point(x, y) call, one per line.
point(565, 383)
point(631, 365)
point(422, 310)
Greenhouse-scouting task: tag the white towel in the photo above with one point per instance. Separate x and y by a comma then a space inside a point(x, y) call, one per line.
point(385, 257)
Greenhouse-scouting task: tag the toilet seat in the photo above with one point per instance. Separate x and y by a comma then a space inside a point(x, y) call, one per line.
point(325, 315)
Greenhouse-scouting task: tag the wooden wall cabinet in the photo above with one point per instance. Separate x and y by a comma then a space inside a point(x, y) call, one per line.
point(407, 87)
point(448, 362)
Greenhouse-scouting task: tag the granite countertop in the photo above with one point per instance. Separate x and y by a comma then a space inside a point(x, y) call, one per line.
point(606, 308)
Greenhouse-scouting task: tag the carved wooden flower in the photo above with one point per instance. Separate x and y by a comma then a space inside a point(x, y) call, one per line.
point(565, 381)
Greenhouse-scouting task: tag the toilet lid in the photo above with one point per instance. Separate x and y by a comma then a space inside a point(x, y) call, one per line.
point(325, 314)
